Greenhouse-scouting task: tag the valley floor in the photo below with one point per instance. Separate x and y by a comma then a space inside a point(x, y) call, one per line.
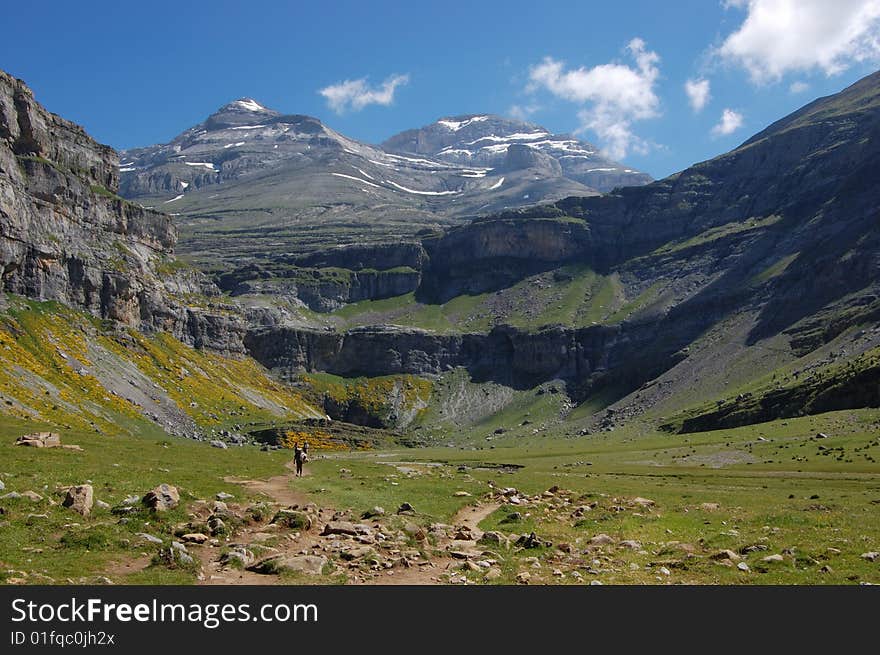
point(788, 502)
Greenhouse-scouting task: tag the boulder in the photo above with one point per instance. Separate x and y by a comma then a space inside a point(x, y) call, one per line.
point(150, 538)
point(532, 541)
point(195, 538)
point(345, 527)
point(80, 499)
point(373, 512)
point(726, 555)
point(39, 440)
point(238, 556)
point(162, 498)
point(355, 552)
point(770, 559)
point(293, 519)
point(308, 564)
point(493, 538)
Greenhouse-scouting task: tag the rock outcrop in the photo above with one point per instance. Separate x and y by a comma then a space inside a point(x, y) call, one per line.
point(66, 235)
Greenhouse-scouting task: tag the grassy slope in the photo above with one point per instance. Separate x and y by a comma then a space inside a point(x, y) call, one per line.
point(53, 360)
point(781, 493)
point(73, 549)
point(572, 295)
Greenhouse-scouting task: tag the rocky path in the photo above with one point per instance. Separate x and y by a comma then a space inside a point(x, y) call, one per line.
point(334, 547)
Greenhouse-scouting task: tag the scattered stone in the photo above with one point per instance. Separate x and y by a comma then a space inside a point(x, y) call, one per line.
point(308, 564)
point(80, 499)
point(355, 552)
point(871, 556)
point(238, 556)
point(162, 498)
point(32, 496)
point(595, 583)
point(219, 444)
point(492, 574)
point(12, 495)
point(631, 544)
point(406, 508)
point(726, 555)
point(826, 569)
point(293, 519)
point(524, 577)
point(149, 537)
point(224, 496)
point(461, 494)
point(345, 527)
point(373, 512)
point(216, 525)
point(643, 502)
point(665, 571)
point(195, 538)
point(2, 486)
point(742, 566)
point(532, 541)
point(102, 505)
point(513, 517)
point(770, 559)
point(494, 538)
point(40, 440)
point(710, 507)
point(601, 540)
point(821, 435)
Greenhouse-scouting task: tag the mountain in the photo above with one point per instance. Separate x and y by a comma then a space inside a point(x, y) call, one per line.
point(757, 271)
point(289, 184)
point(499, 143)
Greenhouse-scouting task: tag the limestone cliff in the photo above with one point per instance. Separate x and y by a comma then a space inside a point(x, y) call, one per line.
point(66, 235)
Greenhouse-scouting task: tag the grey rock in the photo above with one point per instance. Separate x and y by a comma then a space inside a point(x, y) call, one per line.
point(162, 498)
point(80, 499)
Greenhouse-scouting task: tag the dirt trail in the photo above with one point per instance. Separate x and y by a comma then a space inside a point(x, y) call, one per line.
point(280, 490)
point(277, 488)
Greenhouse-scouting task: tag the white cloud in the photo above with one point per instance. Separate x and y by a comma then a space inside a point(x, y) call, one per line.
point(781, 36)
point(730, 122)
point(697, 93)
point(522, 112)
point(357, 94)
point(798, 87)
point(616, 95)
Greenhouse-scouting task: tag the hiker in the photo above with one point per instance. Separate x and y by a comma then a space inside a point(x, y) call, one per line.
point(299, 456)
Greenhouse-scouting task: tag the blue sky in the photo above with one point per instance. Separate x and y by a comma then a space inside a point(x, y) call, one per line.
point(614, 72)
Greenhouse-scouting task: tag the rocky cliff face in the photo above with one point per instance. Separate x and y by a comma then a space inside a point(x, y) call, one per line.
point(781, 230)
point(584, 357)
point(66, 236)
